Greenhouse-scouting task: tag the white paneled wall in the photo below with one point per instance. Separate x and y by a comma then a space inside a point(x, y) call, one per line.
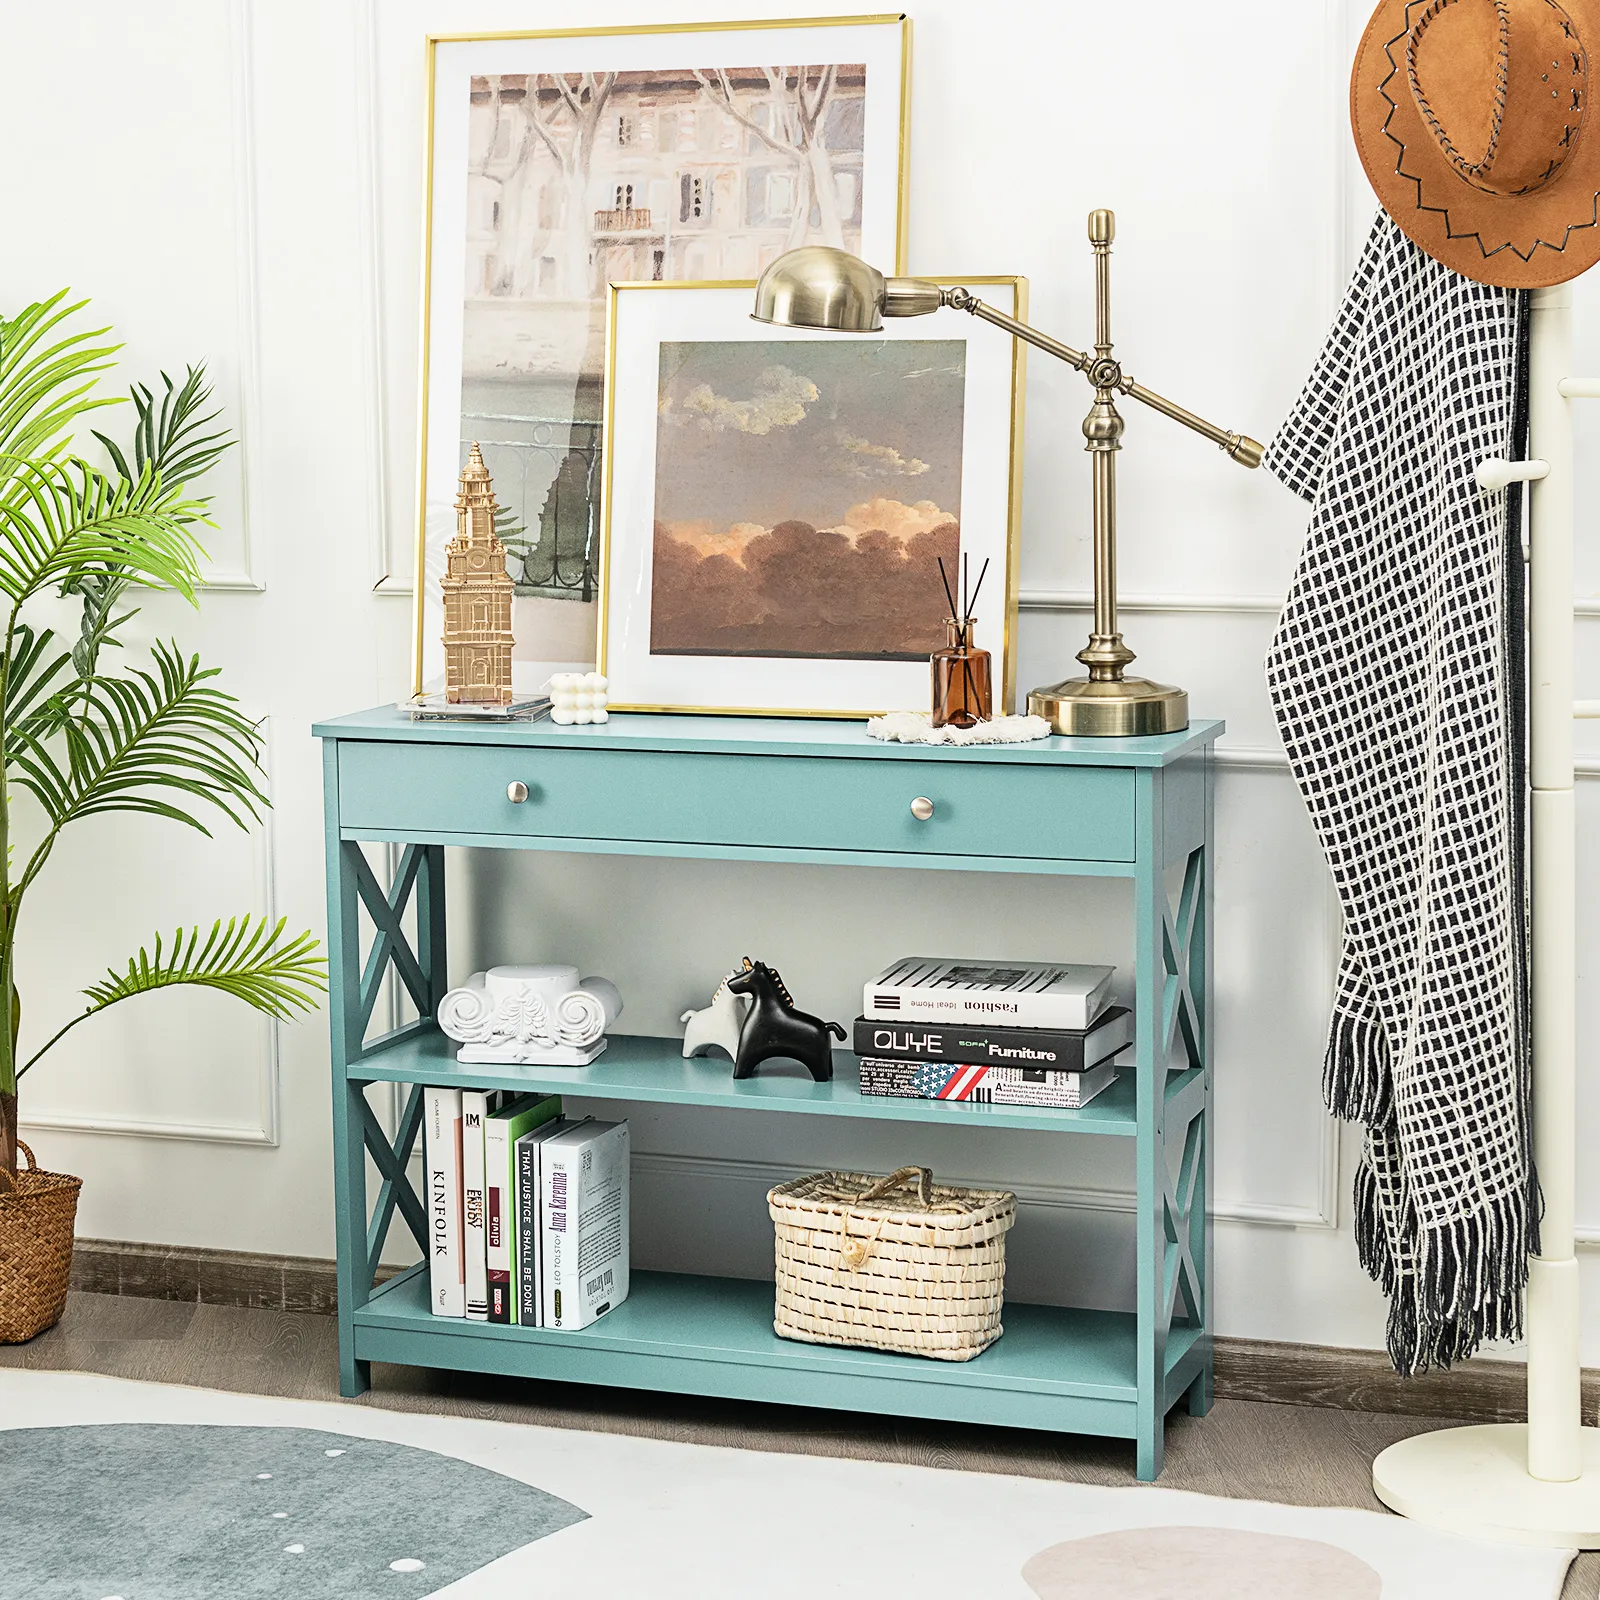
point(241, 182)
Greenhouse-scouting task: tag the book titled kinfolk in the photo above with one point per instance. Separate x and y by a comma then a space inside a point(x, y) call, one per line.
point(1013, 994)
point(1065, 1050)
point(583, 1194)
point(441, 1149)
point(981, 1085)
point(501, 1130)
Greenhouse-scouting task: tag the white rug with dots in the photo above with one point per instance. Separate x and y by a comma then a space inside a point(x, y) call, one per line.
point(132, 1491)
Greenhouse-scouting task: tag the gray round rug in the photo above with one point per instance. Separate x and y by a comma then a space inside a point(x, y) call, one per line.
point(157, 1511)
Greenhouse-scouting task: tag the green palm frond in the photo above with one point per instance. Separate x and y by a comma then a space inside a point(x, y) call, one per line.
point(142, 742)
point(36, 663)
point(60, 521)
point(44, 384)
point(168, 437)
point(252, 960)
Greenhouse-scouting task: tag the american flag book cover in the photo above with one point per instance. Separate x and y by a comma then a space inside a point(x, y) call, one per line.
point(981, 1085)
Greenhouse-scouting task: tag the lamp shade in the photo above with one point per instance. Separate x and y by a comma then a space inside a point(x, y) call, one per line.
point(817, 286)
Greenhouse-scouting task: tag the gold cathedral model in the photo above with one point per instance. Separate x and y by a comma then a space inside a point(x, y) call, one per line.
point(477, 598)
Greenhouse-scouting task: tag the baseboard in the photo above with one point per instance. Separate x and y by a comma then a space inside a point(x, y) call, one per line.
point(1247, 1369)
point(209, 1277)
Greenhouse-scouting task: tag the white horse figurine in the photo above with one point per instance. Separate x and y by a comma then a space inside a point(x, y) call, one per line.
point(719, 1025)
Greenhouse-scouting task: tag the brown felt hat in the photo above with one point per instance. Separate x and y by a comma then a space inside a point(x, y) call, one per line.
point(1473, 122)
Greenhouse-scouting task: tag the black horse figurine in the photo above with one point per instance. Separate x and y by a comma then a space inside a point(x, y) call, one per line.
point(775, 1028)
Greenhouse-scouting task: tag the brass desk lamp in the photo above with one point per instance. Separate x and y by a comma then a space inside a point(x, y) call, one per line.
point(820, 287)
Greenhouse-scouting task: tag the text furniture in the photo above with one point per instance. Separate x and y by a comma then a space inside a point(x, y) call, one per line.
point(781, 791)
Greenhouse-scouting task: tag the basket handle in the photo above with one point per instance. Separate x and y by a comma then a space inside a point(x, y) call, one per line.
point(33, 1166)
point(898, 1179)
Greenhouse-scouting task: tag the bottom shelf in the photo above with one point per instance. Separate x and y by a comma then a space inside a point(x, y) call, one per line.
point(1057, 1368)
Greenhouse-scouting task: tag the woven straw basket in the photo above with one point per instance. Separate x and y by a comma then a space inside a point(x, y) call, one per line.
point(36, 1217)
point(898, 1263)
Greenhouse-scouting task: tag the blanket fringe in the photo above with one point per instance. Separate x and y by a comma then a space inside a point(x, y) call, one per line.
point(1356, 1079)
point(1466, 1286)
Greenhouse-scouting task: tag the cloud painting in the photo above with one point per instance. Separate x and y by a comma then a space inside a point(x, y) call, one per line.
point(804, 493)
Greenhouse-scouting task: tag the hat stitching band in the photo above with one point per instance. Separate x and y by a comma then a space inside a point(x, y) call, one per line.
point(1451, 232)
point(1470, 170)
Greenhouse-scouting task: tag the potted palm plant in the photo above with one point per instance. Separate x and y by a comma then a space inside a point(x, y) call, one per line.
point(81, 737)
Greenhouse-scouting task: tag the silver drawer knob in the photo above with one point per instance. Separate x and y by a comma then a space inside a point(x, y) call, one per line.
point(517, 792)
point(922, 808)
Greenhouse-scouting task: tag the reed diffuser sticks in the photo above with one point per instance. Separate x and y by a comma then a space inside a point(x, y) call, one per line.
point(962, 679)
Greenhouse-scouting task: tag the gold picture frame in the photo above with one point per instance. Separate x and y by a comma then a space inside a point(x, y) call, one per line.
point(994, 350)
point(429, 404)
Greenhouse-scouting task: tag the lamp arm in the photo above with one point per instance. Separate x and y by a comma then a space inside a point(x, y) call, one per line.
point(1236, 446)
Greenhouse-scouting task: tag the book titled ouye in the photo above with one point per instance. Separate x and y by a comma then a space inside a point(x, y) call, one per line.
point(441, 1141)
point(501, 1130)
point(1066, 1050)
point(1018, 994)
point(583, 1204)
point(981, 1085)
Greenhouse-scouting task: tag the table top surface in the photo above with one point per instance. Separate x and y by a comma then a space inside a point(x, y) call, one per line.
point(764, 736)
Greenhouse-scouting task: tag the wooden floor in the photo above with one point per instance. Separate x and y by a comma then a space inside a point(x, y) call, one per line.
point(1296, 1454)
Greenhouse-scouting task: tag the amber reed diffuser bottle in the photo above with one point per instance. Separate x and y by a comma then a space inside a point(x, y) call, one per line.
point(963, 685)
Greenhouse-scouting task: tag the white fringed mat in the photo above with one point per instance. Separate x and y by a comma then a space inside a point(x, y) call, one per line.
point(916, 727)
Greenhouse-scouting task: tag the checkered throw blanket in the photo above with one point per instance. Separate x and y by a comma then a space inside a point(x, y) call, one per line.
point(1397, 678)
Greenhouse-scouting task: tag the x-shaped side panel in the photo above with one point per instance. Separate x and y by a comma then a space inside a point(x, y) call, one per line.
point(1178, 1006)
point(1179, 1272)
point(396, 1190)
point(390, 944)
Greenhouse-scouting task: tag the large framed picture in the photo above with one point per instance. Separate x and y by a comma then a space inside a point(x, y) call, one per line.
point(560, 162)
point(778, 502)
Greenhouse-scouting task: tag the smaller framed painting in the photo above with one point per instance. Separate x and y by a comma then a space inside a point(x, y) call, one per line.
point(777, 502)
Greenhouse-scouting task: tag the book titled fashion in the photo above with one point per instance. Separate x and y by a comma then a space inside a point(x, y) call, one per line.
point(982, 1085)
point(528, 1285)
point(441, 1153)
point(475, 1105)
point(1065, 1050)
point(1020, 994)
point(583, 1195)
point(501, 1130)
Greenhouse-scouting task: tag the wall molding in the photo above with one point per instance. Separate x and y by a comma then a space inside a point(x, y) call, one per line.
point(247, 303)
point(1202, 605)
point(1044, 1196)
point(369, 244)
point(264, 1132)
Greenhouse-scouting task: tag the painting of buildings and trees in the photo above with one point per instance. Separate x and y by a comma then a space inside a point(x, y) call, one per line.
point(580, 179)
point(804, 493)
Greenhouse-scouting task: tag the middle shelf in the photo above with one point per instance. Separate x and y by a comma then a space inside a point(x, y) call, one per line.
point(647, 1069)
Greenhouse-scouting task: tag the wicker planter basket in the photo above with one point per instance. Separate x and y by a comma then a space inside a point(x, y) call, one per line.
point(36, 1218)
point(898, 1263)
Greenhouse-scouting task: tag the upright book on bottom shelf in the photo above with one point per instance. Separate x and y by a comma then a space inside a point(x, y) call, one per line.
point(583, 1195)
point(441, 1149)
point(528, 1297)
point(475, 1107)
point(502, 1129)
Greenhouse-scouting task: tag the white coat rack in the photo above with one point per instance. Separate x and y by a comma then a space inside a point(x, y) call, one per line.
point(1537, 1483)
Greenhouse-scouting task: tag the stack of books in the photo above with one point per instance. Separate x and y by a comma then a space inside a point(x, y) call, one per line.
point(1018, 1034)
point(527, 1210)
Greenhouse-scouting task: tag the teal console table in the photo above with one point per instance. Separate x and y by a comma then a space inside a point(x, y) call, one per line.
point(776, 791)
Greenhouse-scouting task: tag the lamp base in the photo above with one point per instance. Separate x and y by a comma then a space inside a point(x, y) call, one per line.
point(1088, 708)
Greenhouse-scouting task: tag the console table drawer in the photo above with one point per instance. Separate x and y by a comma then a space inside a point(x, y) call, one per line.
point(817, 803)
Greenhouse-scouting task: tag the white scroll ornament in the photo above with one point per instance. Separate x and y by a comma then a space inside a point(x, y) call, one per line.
point(540, 1014)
